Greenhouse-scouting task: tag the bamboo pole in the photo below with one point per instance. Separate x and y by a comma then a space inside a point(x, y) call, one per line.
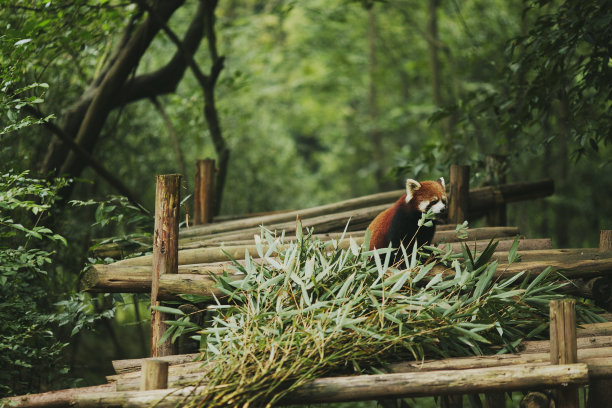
point(459, 194)
point(204, 194)
point(154, 375)
point(563, 347)
point(165, 254)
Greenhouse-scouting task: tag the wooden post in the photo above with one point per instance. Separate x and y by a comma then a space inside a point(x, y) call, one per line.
point(154, 375)
point(563, 348)
point(204, 195)
point(600, 391)
point(459, 193)
point(165, 254)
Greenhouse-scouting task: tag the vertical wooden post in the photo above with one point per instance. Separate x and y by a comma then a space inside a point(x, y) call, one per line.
point(600, 391)
point(204, 195)
point(165, 253)
point(154, 375)
point(563, 349)
point(605, 240)
point(459, 193)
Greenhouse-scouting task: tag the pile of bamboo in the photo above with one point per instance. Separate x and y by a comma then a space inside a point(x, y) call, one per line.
point(570, 358)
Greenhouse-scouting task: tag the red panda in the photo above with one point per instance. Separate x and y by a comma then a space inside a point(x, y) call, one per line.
point(399, 224)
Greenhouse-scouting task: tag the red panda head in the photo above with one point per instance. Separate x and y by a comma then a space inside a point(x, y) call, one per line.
point(426, 195)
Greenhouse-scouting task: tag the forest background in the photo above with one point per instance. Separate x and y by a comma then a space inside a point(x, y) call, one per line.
point(300, 102)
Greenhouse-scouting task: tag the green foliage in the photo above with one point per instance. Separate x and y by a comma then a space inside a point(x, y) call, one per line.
point(29, 351)
point(313, 309)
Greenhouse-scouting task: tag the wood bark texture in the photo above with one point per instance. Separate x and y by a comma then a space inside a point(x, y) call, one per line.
point(165, 254)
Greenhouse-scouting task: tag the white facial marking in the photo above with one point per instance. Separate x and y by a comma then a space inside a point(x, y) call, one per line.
point(423, 206)
point(438, 207)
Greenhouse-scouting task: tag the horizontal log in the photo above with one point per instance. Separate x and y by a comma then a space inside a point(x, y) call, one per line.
point(483, 198)
point(373, 200)
point(59, 398)
point(195, 279)
point(543, 346)
point(595, 357)
point(403, 385)
point(369, 387)
point(220, 253)
point(134, 364)
point(351, 220)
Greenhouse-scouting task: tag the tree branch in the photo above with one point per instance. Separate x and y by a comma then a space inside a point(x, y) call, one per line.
point(93, 162)
point(207, 83)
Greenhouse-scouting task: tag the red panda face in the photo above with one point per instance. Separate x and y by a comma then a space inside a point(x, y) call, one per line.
point(426, 195)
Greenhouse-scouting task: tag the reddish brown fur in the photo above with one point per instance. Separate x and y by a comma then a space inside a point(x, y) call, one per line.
point(379, 226)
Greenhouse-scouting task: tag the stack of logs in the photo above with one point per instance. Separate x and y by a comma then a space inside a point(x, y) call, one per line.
point(182, 266)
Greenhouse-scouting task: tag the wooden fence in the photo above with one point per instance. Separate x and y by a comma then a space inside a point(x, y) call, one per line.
point(182, 261)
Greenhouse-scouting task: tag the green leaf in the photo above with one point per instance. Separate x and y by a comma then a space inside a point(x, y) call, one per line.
point(166, 309)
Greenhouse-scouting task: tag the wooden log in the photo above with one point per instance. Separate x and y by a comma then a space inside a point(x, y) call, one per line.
point(563, 348)
point(484, 198)
point(599, 362)
point(543, 346)
point(194, 278)
point(154, 375)
point(165, 255)
point(481, 199)
point(135, 364)
point(57, 399)
point(502, 245)
point(204, 195)
point(374, 200)
point(597, 358)
point(459, 193)
point(367, 387)
point(220, 253)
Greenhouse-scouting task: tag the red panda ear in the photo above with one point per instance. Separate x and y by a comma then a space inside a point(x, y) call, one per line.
point(441, 181)
point(411, 187)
